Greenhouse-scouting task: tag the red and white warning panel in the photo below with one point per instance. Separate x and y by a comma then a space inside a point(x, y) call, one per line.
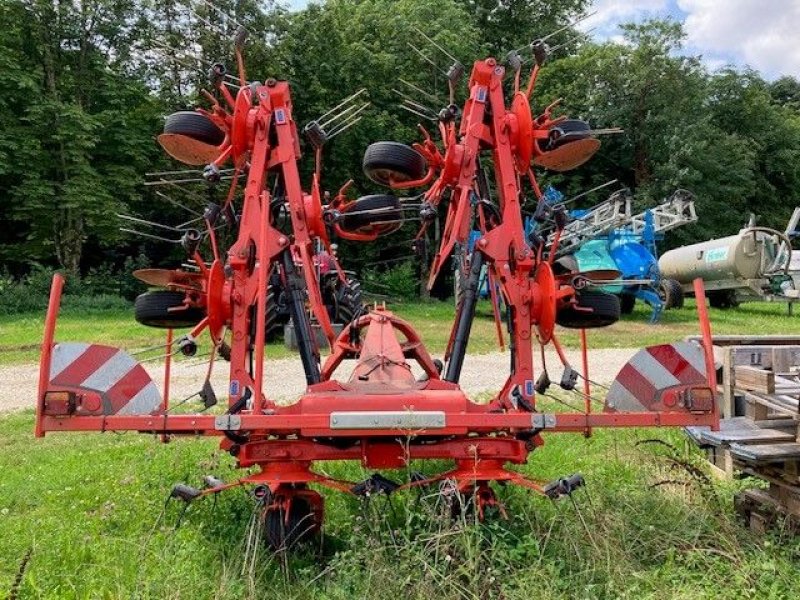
point(669, 377)
point(91, 379)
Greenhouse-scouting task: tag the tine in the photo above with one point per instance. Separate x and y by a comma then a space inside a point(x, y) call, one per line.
point(606, 131)
point(419, 114)
point(583, 34)
point(421, 107)
point(446, 53)
point(233, 85)
point(568, 25)
point(222, 12)
point(221, 32)
point(344, 127)
point(418, 89)
point(195, 220)
point(342, 103)
point(587, 192)
point(345, 123)
point(176, 203)
point(335, 117)
point(146, 222)
point(149, 235)
point(427, 59)
point(183, 172)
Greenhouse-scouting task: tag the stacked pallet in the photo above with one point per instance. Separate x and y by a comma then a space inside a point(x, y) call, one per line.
point(759, 434)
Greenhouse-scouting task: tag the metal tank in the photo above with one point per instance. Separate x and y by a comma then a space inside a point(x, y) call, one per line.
point(746, 262)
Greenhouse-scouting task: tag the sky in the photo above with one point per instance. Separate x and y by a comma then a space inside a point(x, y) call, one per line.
point(762, 34)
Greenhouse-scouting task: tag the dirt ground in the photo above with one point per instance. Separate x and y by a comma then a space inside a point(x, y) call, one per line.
point(284, 377)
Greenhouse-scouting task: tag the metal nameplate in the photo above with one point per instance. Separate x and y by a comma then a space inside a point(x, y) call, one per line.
point(543, 421)
point(388, 420)
point(227, 422)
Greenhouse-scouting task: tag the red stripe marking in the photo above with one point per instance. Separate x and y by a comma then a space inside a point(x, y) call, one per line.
point(674, 362)
point(127, 387)
point(91, 360)
point(638, 385)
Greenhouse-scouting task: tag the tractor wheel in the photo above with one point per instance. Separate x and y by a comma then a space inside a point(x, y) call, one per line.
point(284, 532)
point(604, 311)
point(671, 293)
point(375, 209)
point(626, 303)
point(723, 299)
point(385, 162)
point(565, 132)
point(194, 125)
point(349, 301)
point(165, 309)
point(277, 316)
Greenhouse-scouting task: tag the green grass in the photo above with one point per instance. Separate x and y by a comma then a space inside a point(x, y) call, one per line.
point(20, 335)
point(89, 507)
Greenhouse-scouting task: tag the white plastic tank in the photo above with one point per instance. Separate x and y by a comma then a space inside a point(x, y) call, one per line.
point(753, 253)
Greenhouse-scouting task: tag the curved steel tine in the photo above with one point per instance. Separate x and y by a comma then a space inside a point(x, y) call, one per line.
point(433, 97)
point(342, 103)
point(149, 236)
point(435, 45)
point(149, 223)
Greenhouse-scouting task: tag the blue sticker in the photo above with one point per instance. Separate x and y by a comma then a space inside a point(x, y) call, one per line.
point(280, 116)
point(234, 387)
point(480, 95)
point(717, 254)
point(528, 388)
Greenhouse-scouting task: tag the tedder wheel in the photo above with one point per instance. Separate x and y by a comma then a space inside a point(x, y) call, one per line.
point(375, 209)
point(194, 125)
point(626, 303)
point(385, 162)
point(165, 309)
point(604, 310)
point(282, 531)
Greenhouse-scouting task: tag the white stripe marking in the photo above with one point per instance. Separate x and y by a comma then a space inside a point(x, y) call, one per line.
point(693, 354)
point(144, 402)
point(619, 398)
point(110, 372)
point(652, 370)
point(64, 354)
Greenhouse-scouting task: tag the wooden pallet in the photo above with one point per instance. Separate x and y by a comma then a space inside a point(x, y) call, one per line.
point(759, 435)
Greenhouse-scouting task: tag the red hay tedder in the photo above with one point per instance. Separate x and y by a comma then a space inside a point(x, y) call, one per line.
point(382, 414)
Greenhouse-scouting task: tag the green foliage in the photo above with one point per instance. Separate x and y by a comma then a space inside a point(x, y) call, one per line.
point(85, 86)
point(398, 282)
point(91, 507)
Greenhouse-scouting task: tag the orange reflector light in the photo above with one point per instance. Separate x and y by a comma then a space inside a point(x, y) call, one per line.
point(59, 403)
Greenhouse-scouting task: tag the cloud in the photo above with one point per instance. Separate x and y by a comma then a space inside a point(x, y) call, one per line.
point(610, 13)
point(761, 34)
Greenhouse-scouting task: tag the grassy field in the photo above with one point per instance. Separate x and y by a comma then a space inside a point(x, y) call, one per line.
point(20, 335)
point(90, 510)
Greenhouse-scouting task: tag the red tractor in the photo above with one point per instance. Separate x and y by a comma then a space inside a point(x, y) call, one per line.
point(384, 413)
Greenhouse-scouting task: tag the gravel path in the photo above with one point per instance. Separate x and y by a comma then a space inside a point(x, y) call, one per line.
point(284, 378)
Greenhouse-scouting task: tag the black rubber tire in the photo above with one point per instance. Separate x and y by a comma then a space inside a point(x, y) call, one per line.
point(626, 303)
point(153, 310)
point(605, 311)
point(281, 533)
point(194, 125)
point(671, 293)
point(277, 315)
point(349, 301)
point(723, 299)
point(375, 208)
point(567, 131)
point(385, 160)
